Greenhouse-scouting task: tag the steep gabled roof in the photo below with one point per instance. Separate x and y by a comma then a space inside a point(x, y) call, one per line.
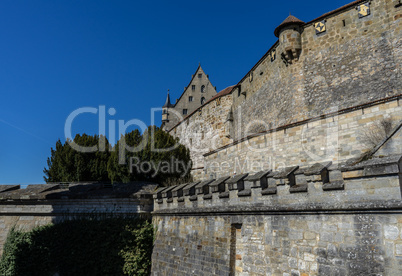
point(192, 78)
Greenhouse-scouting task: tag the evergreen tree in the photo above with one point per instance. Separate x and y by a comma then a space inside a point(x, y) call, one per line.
point(168, 159)
point(158, 155)
point(69, 165)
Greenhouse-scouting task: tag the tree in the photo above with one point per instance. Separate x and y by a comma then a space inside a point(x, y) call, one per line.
point(69, 165)
point(160, 157)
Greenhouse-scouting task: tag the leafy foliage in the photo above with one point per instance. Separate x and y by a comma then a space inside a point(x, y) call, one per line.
point(13, 252)
point(113, 246)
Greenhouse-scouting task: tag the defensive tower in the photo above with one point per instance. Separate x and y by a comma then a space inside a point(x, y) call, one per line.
point(289, 34)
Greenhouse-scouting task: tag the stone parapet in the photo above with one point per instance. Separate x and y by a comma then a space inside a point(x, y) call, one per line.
point(374, 183)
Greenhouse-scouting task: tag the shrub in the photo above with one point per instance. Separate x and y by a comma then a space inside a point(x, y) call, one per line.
point(112, 246)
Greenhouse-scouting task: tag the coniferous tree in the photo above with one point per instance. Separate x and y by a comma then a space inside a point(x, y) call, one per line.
point(172, 162)
point(69, 165)
point(154, 162)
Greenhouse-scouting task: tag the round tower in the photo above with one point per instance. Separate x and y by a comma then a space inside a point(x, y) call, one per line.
point(289, 34)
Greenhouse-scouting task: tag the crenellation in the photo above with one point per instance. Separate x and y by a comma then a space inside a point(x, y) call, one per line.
point(372, 180)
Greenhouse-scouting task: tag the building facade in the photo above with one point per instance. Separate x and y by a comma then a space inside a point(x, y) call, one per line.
point(195, 94)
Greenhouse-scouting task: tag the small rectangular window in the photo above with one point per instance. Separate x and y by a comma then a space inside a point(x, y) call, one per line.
point(190, 99)
point(193, 87)
point(184, 111)
point(199, 76)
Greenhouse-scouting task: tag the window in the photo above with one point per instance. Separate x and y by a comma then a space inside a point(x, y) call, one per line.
point(165, 111)
point(193, 87)
point(199, 76)
point(203, 89)
point(202, 100)
point(190, 98)
point(184, 111)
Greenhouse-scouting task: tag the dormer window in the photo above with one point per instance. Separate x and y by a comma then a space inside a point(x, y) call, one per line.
point(203, 89)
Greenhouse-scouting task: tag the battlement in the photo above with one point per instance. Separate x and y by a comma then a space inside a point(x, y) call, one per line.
point(375, 183)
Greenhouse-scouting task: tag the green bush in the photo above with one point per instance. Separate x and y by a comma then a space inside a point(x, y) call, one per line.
point(112, 246)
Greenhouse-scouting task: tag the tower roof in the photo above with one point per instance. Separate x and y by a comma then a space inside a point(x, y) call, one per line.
point(167, 103)
point(290, 20)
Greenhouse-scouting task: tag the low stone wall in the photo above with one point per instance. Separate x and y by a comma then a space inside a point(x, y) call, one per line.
point(39, 205)
point(318, 220)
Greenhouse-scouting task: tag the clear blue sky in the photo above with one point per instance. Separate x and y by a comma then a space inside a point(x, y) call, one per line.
point(57, 56)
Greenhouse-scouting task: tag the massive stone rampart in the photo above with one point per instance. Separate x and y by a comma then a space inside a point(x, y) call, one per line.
point(321, 220)
point(335, 137)
point(309, 98)
point(354, 61)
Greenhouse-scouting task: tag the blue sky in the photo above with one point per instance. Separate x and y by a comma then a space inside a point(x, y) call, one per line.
point(57, 56)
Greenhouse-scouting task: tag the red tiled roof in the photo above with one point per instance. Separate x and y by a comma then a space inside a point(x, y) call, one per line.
point(221, 93)
point(288, 21)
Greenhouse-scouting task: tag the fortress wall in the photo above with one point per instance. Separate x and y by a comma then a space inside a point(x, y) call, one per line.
point(356, 62)
point(300, 224)
point(26, 215)
point(343, 67)
point(204, 131)
point(279, 244)
point(38, 205)
point(335, 138)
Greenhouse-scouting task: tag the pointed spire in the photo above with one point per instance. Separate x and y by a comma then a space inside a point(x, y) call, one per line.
point(167, 103)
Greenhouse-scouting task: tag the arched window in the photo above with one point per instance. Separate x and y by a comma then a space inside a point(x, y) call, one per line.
point(202, 100)
point(203, 89)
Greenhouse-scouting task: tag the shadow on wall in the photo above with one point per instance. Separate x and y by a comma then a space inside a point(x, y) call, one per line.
point(94, 229)
point(112, 246)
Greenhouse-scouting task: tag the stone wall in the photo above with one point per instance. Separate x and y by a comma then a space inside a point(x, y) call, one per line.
point(320, 220)
point(204, 131)
point(38, 205)
point(336, 137)
point(294, 244)
point(355, 61)
point(315, 107)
